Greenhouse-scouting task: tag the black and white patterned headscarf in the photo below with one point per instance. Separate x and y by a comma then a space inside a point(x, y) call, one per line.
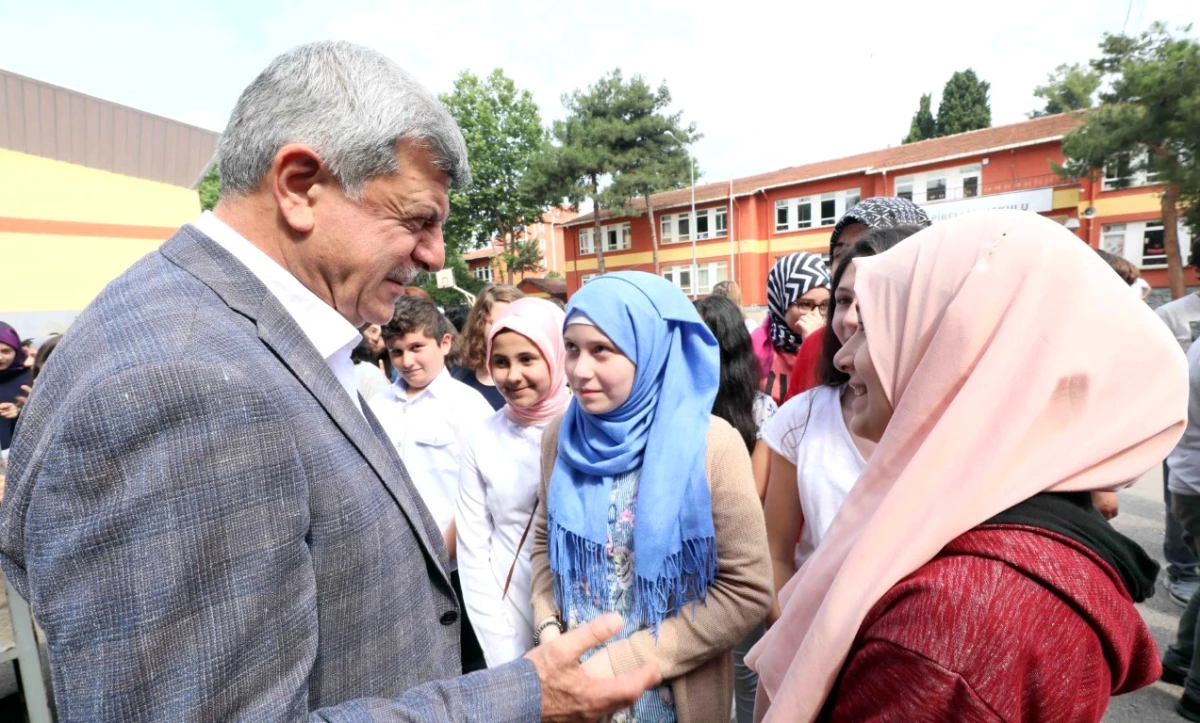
point(793, 276)
point(881, 212)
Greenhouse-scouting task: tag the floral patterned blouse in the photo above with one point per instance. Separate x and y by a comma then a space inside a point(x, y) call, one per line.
point(655, 705)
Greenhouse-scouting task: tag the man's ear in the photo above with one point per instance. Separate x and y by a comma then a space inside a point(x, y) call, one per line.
point(298, 179)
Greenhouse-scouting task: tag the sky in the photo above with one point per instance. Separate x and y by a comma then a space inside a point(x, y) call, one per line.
point(769, 84)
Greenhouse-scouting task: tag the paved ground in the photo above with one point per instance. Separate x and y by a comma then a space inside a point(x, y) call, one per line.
point(1141, 518)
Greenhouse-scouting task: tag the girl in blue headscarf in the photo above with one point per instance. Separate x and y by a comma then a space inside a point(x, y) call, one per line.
point(648, 505)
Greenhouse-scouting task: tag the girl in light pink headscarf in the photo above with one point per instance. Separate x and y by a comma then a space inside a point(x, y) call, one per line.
point(499, 476)
point(967, 576)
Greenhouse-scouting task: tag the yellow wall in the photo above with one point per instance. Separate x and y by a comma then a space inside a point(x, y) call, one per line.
point(61, 273)
point(35, 187)
point(1125, 205)
point(60, 269)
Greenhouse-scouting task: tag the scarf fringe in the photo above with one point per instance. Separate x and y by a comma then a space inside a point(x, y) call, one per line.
point(685, 577)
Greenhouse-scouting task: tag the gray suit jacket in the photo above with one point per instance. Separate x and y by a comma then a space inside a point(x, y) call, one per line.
point(208, 530)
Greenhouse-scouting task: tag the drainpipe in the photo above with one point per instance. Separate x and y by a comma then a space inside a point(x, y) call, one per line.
point(732, 242)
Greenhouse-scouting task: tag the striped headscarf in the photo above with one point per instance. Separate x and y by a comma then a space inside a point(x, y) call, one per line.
point(881, 212)
point(793, 276)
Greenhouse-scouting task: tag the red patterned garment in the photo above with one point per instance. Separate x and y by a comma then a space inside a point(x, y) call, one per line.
point(1008, 623)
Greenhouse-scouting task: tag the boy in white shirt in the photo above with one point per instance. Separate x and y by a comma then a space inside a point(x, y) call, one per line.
point(428, 415)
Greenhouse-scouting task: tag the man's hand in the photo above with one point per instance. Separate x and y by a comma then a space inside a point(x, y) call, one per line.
point(569, 693)
point(599, 665)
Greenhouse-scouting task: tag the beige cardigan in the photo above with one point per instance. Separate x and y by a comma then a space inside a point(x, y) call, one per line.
point(693, 651)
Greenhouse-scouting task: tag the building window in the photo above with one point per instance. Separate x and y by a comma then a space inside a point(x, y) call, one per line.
point(708, 275)
point(586, 278)
point(804, 213)
point(709, 223)
point(483, 273)
point(1142, 242)
point(1112, 239)
point(1154, 252)
point(968, 180)
point(616, 238)
point(796, 214)
point(947, 184)
point(829, 212)
point(1119, 172)
point(935, 188)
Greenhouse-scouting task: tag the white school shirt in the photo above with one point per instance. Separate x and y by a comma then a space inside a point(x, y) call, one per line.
point(327, 330)
point(429, 431)
point(827, 462)
point(498, 484)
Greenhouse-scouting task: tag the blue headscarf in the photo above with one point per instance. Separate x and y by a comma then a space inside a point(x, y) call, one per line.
point(662, 429)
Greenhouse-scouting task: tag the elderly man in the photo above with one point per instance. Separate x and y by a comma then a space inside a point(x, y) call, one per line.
point(205, 517)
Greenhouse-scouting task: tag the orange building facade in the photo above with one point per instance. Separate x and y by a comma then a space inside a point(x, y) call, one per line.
point(742, 226)
point(486, 264)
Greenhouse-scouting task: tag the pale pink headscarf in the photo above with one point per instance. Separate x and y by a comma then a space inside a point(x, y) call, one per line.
point(1016, 362)
point(541, 322)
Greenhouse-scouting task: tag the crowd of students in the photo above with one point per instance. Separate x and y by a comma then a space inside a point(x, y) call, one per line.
point(886, 501)
point(932, 488)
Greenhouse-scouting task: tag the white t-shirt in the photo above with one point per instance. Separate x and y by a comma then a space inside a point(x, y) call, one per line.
point(429, 431)
point(809, 432)
point(1182, 316)
point(498, 484)
point(1184, 460)
point(371, 380)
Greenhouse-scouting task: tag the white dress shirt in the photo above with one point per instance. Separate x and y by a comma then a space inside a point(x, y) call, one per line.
point(328, 331)
point(498, 483)
point(429, 431)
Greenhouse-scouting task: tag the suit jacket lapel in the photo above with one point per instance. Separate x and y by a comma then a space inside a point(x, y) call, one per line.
point(238, 287)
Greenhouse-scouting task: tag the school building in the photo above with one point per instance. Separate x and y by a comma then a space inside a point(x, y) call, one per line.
point(487, 264)
point(87, 187)
point(740, 227)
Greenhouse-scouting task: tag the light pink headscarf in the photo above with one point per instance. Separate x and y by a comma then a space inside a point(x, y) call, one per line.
point(1016, 362)
point(541, 322)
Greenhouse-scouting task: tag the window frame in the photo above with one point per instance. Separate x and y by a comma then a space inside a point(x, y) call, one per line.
point(805, 213)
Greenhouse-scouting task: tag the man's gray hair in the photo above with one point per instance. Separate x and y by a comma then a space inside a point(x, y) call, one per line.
point(350, 104)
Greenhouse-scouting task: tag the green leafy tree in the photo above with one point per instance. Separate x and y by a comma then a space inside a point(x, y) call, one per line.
point(964, 106)
point(657, 159)
point(522, 256)
point(1068, 88)
point(614, 144)
point(210, 188)
point(504, 134)
point(924, 125)
point(1148, 123)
